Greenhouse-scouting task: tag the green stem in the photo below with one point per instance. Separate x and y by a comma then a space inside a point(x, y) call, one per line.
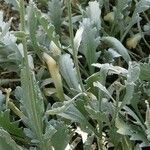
point(73, 47)
point(100, 123)
point(7, 81)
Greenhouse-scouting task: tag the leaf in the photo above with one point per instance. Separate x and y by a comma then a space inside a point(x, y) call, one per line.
point(1, 100)
point(90, 42)
point(88, 143)
point(78, 37)
point(145, 71)
point(93, 12)
point(73, 114)
point(133, 72)
point(55, 13)
point(117, 45)
point(11, 127)
point(49, 132)
point(47, 26)
point(54, 72)
point(122, 5)
point(137, 120)
point(141, 6)
point(33, 25)
point(103, 88)
point(14, 3)
point(110, 55)
point(112, 69)
point(128, 94)
point(68, 71)
point(60, 107)
point(6, 142)
point(32, 101)
point(135, 132)
point(61, 138)
point(5, 26)
point(97, 115)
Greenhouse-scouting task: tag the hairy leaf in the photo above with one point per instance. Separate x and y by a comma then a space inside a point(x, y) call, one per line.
point(55, 13)
point(61, 138)
point(11, 127)
point(145, 71)
point(47, 26)
point(6, 142)
point(68, 71)
point(93, 12)
point(90, 42)
point(117, 45)
point(135, 132)
point(32, 101)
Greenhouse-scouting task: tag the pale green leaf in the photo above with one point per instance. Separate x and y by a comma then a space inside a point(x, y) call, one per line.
point(103, 88)
point(117, 45)
point(55, 13)
point(61, 138)
point(6, 142)
point(93, 12)
point(68, 71)
point(133, 72)
point(90, 42)
point(32, 100)
point(145, 71)
point(11, 127)
point(60, 107)
point(135, 132)
point(129, 94)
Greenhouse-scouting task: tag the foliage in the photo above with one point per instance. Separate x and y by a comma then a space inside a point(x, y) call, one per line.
point(75, 75)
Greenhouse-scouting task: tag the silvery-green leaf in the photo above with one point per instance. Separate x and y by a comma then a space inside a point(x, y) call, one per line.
point(133, 72)
point(6, 141)
point(135, 132)
point(90, 42)
point(73, 114)
point(60, 107)
point(1, 99)
point(11, 127)
point(14, 3)
point(117, 45)
point(93, 12)
point(141, 6)
point(145, 71)
point(32, 101)
point(78, 37)
point(113, 53)
point(61, 138)
point(55, 12)
point(49, 132)
point(113, 69)
point(129, 94)
point(103, 88)
point(47, 26)
point(68, 71)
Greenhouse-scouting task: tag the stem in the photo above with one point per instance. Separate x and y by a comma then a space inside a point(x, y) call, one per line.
point(100, 123)
point(7, 81)
point(73, 47)
point(116, 106)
